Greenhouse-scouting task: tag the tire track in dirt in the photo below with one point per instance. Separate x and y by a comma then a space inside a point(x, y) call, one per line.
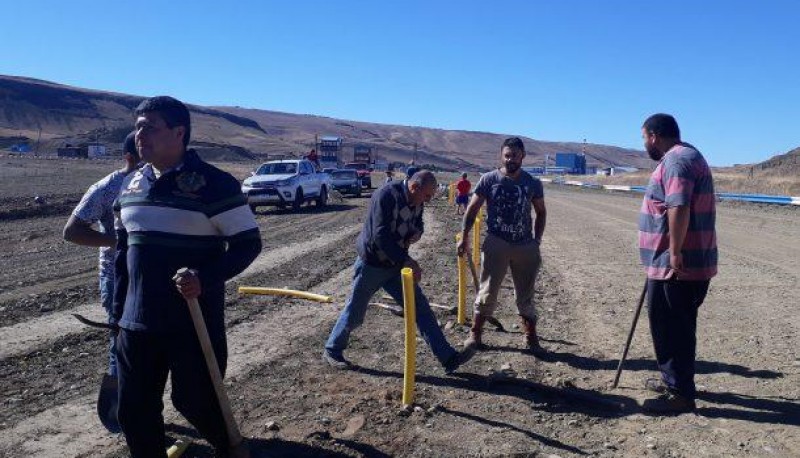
point(26, 336)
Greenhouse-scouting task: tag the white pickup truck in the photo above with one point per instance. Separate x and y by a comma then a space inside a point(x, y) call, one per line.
point(289, 182)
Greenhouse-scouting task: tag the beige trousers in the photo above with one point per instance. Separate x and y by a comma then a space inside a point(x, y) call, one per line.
point(498, 256)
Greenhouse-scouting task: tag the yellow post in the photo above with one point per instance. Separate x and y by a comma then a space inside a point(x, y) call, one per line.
point(476, 241)
point(410, 315)
point(462, 286)
point(451, 193)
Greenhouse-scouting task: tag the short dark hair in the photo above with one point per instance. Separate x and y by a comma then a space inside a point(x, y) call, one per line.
point(663, 125)
point(513, 143)
point(424, 177)
point(172, 110)
point(129, 147)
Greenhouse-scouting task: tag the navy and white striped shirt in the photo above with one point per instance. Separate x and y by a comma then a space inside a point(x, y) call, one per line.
point(194, 216)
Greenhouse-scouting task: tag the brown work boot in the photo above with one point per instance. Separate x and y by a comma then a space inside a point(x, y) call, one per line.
point(530, 338)
point(474, 341)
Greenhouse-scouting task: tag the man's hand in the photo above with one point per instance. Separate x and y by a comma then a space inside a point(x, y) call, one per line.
point(188, 283)
point(412, 264)
point(462, 246)
point(676, 262)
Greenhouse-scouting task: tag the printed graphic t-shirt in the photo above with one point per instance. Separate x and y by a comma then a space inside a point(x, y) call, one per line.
point(509, 204)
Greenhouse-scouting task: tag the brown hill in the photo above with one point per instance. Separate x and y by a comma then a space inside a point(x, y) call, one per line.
point(782, 164)
point(59, 114)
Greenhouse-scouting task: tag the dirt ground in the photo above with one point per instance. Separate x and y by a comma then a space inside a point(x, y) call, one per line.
point(502, 403)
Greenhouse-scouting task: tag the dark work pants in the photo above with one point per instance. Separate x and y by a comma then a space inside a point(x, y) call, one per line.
point(144, 360)
point(672, 308)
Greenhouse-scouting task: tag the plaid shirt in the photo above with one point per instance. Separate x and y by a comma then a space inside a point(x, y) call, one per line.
point(389, 227)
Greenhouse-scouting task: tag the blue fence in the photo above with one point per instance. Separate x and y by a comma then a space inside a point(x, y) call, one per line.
point(755, 198)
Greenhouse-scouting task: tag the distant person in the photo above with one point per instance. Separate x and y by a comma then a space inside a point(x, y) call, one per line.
point(512, 240)
point(96, 208)
point(388, 177)
point(394, 223)
point(313, 158)
point(462, 194)
point(678, 248)
point(411, 170)
point(176, 212)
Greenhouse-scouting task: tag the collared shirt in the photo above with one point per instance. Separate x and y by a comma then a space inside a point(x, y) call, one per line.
point(96, 206)
point(391, 224)
point(191, 216)
point(681, 178)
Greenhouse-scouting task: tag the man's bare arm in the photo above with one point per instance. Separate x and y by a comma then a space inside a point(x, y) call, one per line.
point(81, 233)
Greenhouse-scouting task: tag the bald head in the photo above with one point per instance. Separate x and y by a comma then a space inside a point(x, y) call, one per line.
point(421, 187)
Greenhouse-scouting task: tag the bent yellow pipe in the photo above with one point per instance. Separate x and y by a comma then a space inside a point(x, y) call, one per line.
point(462, 285)
point(284, 292)
point(409, 306)
point(177, 449)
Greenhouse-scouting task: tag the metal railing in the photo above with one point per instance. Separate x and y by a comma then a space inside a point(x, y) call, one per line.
point(754, 198)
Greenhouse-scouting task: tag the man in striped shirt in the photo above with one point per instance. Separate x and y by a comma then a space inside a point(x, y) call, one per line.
point(175, 212)
point(678, 248)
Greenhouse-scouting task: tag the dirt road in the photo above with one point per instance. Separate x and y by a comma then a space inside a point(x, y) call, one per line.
point(503, 403)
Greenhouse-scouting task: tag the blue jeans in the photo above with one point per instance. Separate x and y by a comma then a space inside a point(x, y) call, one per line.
point(367, 280)
point(106, 298)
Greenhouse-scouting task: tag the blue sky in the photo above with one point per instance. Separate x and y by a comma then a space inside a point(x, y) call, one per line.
point(552, 70)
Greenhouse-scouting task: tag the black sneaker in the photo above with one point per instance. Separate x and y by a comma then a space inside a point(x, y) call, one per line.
point(669, 403)
point(458, 359)
point(336, 362)
point(656, 385)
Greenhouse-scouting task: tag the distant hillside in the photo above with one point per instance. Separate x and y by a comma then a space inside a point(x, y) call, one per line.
point(783, 164)
point(68, 114)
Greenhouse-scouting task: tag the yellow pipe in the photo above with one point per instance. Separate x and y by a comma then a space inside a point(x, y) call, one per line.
point(409, 370)
point(177, 449)
point(284, 292)
point(476, 241)
point(462, 286)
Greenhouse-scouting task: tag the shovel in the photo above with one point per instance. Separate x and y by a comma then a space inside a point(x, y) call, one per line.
point(238, 448)
point(107, 397)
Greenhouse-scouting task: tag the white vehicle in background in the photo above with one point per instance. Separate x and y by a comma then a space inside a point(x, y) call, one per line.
point(284, 183)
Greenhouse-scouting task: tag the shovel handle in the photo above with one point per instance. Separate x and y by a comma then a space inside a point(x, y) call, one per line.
point(234, 437)
point(630, 336)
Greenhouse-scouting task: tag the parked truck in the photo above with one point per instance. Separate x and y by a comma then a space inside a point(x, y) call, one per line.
point(289, 182)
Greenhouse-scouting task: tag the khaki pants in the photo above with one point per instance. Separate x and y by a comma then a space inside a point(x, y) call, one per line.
point(498, 256)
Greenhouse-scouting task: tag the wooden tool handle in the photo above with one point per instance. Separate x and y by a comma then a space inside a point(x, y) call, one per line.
point(234, 437)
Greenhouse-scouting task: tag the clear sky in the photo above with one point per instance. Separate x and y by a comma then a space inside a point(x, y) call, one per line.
point(561, 70)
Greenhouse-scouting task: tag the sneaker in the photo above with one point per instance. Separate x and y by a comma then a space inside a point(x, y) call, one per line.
point(336, 361)
point(669, 403)
point(655, 385)
point(458, 359)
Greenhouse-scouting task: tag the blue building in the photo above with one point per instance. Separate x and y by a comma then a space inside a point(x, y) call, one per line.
point(573, 163)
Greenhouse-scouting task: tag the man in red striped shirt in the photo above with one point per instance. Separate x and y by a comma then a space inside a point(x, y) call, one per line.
point(678, 248)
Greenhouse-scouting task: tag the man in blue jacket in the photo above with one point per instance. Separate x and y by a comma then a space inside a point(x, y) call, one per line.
point(175, 212)
point(393, 224)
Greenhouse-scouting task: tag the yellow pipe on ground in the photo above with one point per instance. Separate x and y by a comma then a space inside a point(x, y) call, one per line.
point(410, 315)
point(177, 449)
point(462, 286)
point(476, 241)
point(284, 292)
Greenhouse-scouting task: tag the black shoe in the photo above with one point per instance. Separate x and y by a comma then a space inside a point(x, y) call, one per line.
point(669, 403)
point(656, 385)
point(336, 362)
point(459, 359)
